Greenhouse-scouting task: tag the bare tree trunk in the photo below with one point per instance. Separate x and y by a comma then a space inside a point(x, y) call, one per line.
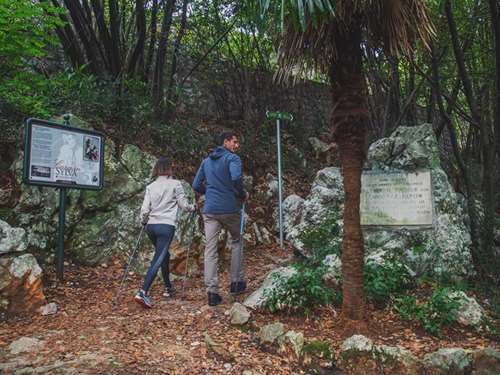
point(171, 95)
point(168, 8)
point(103, 31)
point(114, 21)
point(492, 153)
point(152, 39)
point(138, 52)
point(68, 39)
point(393, 105)
point(471, 208)
point(495, 22)
point(484, 243)
point(412, 107)
point(76, 14)
point(350, 121)
point(459, 57)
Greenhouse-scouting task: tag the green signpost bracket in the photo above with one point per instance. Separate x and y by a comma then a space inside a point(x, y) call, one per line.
point(279, 116)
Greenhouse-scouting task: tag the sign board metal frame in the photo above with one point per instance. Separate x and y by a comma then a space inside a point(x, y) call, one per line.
point(27, 154)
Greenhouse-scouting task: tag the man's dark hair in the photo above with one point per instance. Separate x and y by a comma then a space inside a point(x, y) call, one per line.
point(225, 136)
point(162, 168)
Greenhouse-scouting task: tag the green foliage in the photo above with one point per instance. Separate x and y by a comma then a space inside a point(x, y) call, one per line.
point(181, 138)
point(300, 292)
point(433, 314)
point(317, 348)
point(385, 281)
point(24, 37)
point(24, 30)
point(322, 240)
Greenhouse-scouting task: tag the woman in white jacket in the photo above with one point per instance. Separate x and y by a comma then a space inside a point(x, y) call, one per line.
point(158, 213)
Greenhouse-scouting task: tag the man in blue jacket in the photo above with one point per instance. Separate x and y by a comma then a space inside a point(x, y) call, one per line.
point(220, 179)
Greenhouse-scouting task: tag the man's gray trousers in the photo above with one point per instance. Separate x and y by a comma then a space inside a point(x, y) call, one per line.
point(213, 224)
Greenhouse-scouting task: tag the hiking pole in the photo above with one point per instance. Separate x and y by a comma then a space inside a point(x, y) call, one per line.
point(242, 224)
point(115, 298)
point(187, 258)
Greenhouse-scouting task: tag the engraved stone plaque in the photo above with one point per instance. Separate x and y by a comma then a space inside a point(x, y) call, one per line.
point(396, 199)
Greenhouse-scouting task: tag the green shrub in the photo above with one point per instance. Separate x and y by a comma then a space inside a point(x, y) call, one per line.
point(181, 137)
point(320, 349)
point(385, 281)
point(433, 314)
point(322, 239)
point(300, 292)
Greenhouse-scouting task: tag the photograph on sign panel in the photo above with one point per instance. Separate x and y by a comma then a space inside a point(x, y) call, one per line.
point(69, 158)
point(91, 149)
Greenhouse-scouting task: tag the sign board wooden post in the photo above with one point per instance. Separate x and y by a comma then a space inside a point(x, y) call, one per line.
point(61, 156)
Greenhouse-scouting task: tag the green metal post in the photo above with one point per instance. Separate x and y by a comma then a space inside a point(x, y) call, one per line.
point(62, 214)
point(60, 244)
point(284, 117)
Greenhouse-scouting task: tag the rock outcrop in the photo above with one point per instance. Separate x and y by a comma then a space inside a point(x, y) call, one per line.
point(443, 249)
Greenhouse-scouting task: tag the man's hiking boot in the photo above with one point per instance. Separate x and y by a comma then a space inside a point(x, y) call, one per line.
point(238, 287)
point(169, 292)
point(142, 299)
point(214, 299)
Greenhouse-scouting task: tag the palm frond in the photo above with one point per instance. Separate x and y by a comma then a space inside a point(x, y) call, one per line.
point(396, 24)
point(310, 29)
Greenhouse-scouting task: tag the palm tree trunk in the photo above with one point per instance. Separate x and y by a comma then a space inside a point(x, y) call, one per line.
point(350, 121)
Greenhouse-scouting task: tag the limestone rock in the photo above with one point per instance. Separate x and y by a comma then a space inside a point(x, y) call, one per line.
point(25, 344)
point(326, 198)
point(248, 183)
point(239, 314)
point(269, 333)
point(272, 186)
point(258, 298)
point(358, 343)
point(100, 223)
point(469, 313)
point(20, 284)
point(333, 272)
point(49, 309)
point(397, 360)
point(293, 339)
point(448, 361)
point(486, 362)
point(357, 356)
point(12, 239)
point(444, 249)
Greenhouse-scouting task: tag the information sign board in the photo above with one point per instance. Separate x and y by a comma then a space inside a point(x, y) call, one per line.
point(63, 156)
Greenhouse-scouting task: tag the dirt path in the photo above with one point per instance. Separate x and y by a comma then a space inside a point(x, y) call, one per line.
point(89, 335)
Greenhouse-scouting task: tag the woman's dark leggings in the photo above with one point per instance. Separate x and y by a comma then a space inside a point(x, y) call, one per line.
point(161, 235)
